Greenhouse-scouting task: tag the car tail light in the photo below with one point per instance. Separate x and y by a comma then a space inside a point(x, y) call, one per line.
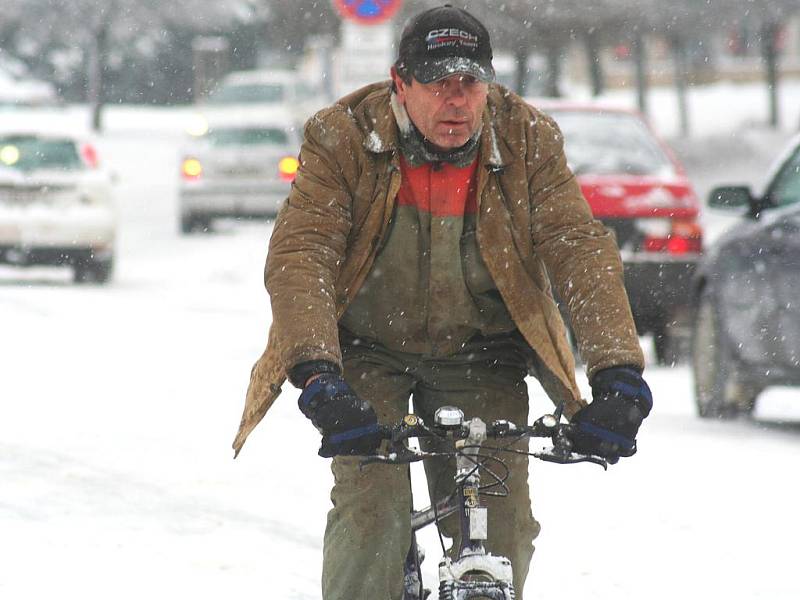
point(671, 236)
point(89, 155)
point(287, 168)
point(191, 169)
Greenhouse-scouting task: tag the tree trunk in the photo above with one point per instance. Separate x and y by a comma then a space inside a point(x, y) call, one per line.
point(681, 72)
point(521, 75)
point(592, 44)
point(640, 64)
point(552, 89)
point(97, 62)
point(769, 52)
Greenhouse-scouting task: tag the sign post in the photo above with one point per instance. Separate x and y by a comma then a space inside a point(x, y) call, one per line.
point(367, 48)
point(367, 12)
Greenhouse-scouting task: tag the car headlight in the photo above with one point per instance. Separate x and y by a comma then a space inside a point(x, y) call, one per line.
point(197, 125)
point(9, 155)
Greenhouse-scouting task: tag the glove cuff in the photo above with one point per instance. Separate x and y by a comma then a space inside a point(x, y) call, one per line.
point(319, 392)
point(632, 370)
point(623, 382)
point(300, 373)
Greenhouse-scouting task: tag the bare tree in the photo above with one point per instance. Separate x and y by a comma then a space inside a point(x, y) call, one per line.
point(688, 22)
point(97, 29)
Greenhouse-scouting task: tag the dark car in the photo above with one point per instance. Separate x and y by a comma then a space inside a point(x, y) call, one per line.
point(746, 295)
point(635, 185)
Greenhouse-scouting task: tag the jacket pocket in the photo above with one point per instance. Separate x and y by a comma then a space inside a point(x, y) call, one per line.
point(476, 275)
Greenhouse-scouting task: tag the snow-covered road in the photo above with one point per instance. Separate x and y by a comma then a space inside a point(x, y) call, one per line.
point(118, 405)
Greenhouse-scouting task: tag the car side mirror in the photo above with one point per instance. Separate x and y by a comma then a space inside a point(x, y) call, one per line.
point(732, 196)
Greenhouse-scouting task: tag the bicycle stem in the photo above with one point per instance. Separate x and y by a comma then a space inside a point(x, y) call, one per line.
point(470, 448)
point(474, 527)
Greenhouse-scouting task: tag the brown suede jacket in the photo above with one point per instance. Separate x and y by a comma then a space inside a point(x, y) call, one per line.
point(534, 228)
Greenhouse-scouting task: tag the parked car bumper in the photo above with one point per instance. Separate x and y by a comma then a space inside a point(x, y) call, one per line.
point(53, 235)
point(253, 200)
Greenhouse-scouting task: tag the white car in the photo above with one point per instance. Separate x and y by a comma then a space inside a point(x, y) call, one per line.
point(55, 204)
point(18, 88)
point(259, 92)
point(241, 168)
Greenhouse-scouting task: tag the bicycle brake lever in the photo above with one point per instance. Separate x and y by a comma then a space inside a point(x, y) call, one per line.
point(396, 457)
point(399, 452)
point(550, 455)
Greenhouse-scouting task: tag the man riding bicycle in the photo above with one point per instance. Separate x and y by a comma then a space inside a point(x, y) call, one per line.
point(414, 258)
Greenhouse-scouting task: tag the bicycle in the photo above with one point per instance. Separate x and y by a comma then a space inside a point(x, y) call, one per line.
point(475, 574)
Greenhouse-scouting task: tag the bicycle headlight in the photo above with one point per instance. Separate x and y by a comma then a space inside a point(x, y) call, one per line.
point(448, 417)
point(549, 421)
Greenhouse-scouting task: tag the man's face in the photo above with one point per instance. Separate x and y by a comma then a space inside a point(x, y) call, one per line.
point(447, 112)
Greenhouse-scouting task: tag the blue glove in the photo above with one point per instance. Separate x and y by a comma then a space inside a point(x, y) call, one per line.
point(348, 424)
point(607, 427)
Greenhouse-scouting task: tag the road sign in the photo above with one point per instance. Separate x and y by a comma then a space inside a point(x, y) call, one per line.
point(364, 55)
point(367, 12)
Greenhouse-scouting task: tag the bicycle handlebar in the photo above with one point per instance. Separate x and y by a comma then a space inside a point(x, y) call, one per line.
point(547, 426)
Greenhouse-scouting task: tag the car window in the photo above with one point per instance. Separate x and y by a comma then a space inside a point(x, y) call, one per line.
point(248, 136)
point(305, 91)
point(610, 143)
point(28, 153)
point(250, 93)
point(785, 188)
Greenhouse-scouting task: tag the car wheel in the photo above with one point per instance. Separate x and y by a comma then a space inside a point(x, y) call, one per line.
point(667, 354)
point(672, 338)
point(720, 390)
point(194, 224)
point(93, 271)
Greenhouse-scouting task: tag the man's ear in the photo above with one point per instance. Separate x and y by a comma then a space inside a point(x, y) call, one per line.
point(399, 85)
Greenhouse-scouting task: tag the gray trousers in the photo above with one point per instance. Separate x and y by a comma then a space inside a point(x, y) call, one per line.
point(368, 532)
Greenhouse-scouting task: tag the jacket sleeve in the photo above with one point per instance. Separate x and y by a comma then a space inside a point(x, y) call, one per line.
point(308, 243)
point(580, 255)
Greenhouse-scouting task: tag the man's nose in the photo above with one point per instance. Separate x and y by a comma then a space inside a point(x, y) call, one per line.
point(455, 94)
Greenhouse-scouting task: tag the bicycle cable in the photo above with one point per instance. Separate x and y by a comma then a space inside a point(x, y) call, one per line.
point(478, 460)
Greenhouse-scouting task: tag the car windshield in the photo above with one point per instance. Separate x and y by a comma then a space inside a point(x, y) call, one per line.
point(606, 143)
point(786, 187)
point(251, 93)
point(29, 153)
point(241, 136)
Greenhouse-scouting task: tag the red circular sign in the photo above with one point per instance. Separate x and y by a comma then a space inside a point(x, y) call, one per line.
point(367, 12)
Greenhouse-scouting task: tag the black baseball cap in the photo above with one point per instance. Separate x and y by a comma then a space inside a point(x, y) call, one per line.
point(444, 41)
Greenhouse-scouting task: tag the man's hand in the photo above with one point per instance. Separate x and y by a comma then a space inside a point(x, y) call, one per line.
point(348, 424)
point(621, 400)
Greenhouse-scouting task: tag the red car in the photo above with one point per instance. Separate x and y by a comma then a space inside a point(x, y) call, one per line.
point(639, 190)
